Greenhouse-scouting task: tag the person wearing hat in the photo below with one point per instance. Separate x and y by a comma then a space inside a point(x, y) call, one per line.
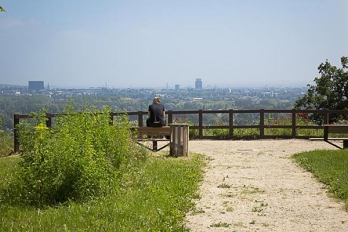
point(156, 114)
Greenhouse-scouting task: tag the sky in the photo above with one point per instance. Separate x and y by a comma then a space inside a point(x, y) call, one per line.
point(161, 43)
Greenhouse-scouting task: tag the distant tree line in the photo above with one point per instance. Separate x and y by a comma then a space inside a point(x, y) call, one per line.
point(10, 105)
point(329, 92)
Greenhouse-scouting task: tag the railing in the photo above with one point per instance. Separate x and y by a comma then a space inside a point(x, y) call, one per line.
point(231, 126)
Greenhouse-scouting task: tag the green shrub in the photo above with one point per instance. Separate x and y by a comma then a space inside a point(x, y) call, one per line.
point(6, 141)
point(75, 160)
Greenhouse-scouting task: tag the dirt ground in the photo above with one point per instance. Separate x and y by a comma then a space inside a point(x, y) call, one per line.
point(255, 186)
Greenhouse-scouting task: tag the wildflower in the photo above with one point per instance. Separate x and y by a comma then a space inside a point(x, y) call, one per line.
point(41, 126)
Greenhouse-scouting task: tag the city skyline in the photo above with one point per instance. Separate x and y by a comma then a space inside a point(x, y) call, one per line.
point(122, 44)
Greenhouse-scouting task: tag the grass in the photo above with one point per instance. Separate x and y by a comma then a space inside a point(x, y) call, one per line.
point(329, 167)
point(6, 142)
point(155, 197)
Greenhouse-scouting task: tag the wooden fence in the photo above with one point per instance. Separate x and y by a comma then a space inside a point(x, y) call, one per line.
point(200, 126)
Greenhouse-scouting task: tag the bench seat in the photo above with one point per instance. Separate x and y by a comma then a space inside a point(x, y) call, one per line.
point(152, 134)
point(336, 129)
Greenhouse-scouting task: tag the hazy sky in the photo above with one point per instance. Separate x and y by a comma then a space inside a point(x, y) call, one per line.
point(131, 43)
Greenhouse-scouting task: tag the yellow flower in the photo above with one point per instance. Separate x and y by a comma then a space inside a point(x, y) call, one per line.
point(41, 126)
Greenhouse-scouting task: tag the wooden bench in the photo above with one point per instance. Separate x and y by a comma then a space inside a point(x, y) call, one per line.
point(336, 129)
point(152, 134)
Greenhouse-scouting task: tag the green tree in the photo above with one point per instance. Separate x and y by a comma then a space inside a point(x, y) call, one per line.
point(330, 91)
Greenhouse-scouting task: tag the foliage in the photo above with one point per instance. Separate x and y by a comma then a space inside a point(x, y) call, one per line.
point(133, 100)
point(330, 167)
point(76, 159)
point(2, 9)
point(6, 142)
point(330, 91)
point(154, 196)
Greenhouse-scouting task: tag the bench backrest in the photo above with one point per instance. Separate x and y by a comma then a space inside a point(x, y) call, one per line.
point(338, 129)
point(152, 131)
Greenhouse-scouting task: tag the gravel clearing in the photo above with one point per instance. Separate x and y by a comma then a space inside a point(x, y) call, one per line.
point(256, 186)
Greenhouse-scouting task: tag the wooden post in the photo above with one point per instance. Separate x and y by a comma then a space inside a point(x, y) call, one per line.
point(262, 123)
point(293, 125)
point(15, 133)
point(200, 123)
point(49, 120)
point(179, 136)
point(230, 121)
point(140, 118)
point(170, 117)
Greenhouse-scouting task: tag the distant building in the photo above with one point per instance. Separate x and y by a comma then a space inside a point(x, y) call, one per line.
point(198, 83)
point(36, 85)
point(177, 87)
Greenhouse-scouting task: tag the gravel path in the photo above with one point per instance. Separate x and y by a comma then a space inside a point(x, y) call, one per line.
point(255, 186)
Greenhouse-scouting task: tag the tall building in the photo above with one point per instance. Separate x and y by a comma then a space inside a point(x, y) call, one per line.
point(177, 87)
point(198, 83)
point(36, 85)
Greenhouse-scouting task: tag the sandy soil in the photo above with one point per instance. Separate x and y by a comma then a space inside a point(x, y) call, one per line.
point(255, 186)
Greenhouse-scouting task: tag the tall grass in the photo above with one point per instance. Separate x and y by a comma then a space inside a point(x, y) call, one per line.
point(153, 197)
point(77, 159)
point(330, 167)
point(6, 142)
point(84, 174)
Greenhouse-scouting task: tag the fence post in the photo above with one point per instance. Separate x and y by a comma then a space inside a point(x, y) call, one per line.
point(200, 123)
point(49, 120)
point(262, 123)
point(230, 122)
point(15, 133)
point(170, 117)
point(111, 122)
point(293, 124)
point(140, 119)
point(326, 117)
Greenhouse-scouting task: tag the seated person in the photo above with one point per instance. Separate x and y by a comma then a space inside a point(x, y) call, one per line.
point(156, 114)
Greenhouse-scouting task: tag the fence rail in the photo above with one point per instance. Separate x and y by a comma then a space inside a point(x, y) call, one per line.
point(230, 126)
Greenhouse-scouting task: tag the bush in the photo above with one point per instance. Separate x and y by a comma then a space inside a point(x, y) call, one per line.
point(6, 142)
point(75, 160)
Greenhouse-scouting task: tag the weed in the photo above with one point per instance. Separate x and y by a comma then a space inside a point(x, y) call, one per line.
point(220, 224)
point(224, 186)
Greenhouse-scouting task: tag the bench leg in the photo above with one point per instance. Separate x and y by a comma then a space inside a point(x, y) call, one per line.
point(345, 144)
point(154, 145)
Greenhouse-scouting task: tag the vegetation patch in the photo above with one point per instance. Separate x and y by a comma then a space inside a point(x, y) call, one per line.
point(86, 174)
point(154, 196)
point(220, 224)
point(329, 167)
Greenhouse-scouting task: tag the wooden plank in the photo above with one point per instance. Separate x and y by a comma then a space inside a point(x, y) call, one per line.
point(153, 139)
point(338, 129)
point(314, 139)
point(152, 131)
